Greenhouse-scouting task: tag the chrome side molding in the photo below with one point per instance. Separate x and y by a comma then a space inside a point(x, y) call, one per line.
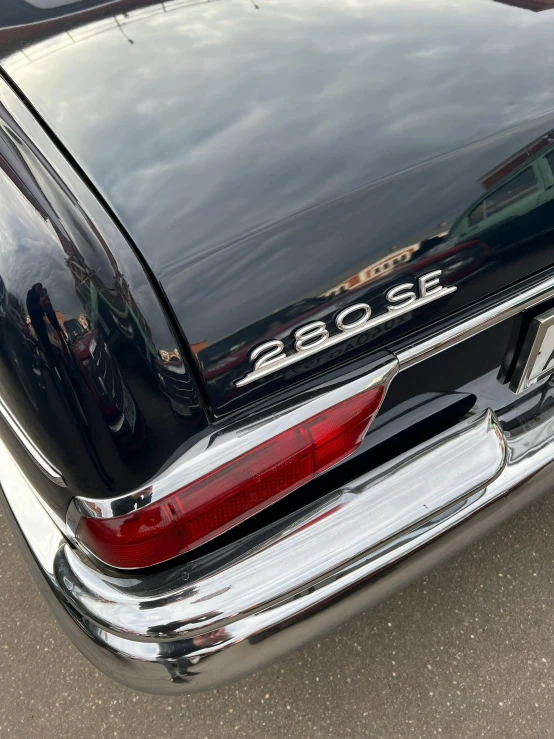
point(32, 449)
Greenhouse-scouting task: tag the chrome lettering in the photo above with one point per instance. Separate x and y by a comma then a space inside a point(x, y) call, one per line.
point(343, 315)
point(315, 337)
point(429, 284)
point(310, 336)
point(401, 296)
point(274, 350)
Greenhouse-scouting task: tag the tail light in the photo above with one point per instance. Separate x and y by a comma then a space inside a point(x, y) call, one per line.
point(231, 493)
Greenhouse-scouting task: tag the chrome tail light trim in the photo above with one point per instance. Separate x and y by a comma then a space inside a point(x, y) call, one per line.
point(227, 444)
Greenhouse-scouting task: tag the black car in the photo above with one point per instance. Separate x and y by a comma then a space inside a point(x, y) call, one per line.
point(276, 310)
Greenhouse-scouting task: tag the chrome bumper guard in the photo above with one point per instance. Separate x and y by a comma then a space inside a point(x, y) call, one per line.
point(196, 626)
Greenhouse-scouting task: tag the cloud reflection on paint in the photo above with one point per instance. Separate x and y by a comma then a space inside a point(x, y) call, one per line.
point(221, 121)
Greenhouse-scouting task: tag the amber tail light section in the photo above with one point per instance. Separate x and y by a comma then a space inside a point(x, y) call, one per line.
point(231, 493)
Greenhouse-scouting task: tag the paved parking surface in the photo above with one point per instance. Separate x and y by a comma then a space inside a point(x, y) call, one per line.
point(467, 652)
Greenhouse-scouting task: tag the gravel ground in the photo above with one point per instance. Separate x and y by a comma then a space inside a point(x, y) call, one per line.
point(466, 652)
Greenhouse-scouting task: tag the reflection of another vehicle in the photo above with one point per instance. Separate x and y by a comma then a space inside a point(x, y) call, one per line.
point(457, 259)
point(176, 383)
point(516, 209)
point(375, 270)
point(166, 367)
point(110, 392)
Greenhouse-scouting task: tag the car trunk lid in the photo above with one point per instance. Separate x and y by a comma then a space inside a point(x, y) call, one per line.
point(275, 167)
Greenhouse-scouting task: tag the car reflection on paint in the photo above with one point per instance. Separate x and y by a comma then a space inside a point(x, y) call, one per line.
point(176, 382)
point(517, 207)
point(112, 396)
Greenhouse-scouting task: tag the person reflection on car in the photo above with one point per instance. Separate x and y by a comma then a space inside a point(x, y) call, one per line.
point(36, 316)
point(179, 667)
point(49, 312)
point(39, 307)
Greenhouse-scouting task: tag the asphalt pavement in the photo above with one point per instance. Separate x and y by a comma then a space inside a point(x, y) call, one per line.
point(465, 652)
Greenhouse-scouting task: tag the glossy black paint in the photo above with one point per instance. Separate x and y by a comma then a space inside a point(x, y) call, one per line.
point(88, 360)
point(272, 166)
point(277, 161)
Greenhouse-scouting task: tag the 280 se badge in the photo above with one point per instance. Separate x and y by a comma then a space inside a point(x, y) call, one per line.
point(314, 337)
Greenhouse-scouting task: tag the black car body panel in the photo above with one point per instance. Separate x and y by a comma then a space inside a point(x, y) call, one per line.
point(276, 164)
point(89, 362)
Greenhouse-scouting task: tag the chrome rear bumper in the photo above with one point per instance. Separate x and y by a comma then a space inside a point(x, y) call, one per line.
point(196, 626)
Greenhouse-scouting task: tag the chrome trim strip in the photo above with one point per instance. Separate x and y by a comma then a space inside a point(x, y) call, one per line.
point(36, 455)
point(358, 328)
point(472, 326)
point(225, 445)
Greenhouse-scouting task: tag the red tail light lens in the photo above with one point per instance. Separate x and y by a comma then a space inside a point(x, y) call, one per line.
point(212, 504)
